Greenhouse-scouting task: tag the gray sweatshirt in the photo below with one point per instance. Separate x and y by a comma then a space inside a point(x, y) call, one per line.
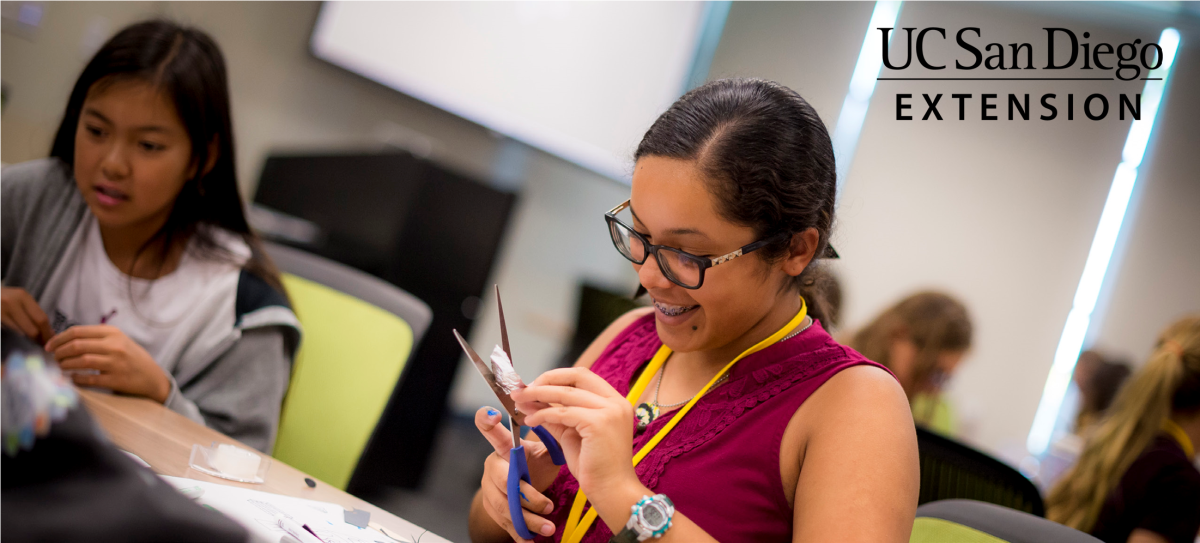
point(233, 382)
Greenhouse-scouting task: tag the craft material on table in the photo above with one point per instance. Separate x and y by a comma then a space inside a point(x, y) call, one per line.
point(358, 517)
point(229, 462)
point(260, 512)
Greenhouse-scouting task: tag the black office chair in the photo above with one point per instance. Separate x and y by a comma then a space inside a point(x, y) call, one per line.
point(952, 470)
point(970, 521)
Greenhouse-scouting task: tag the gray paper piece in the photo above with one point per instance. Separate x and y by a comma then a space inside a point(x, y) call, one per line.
point(358, 518)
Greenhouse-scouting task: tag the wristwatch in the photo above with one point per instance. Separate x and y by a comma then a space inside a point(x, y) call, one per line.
point(650, 517)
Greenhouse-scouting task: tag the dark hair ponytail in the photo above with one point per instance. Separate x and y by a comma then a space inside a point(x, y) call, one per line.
point(186, 64)
point(767, 159)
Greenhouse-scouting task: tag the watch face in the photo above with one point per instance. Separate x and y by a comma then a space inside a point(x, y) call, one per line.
point(654, 515)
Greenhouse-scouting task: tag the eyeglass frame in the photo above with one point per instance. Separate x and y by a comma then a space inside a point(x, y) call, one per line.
point(652, 249)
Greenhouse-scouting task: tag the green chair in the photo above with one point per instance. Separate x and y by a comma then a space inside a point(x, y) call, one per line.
point(358, 334)
point(970, 521)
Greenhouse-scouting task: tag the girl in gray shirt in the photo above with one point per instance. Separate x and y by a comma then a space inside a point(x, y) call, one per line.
point(127, 254)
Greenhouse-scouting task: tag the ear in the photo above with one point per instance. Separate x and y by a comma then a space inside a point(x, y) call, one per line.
point(213, 151)
point(801, 251)
point(210, 162)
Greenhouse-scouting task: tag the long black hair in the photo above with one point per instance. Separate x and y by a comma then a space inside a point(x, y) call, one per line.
point(186, 65)
point(767, 159)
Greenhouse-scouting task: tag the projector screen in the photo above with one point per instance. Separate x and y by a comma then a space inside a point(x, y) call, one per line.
point(582, 80)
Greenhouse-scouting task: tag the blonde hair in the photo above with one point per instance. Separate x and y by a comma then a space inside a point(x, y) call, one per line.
point(1169, 381)
point(933, 321)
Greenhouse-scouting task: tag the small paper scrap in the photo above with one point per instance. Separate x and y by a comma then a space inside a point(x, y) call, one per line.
point(358, 517)
point(506, 376)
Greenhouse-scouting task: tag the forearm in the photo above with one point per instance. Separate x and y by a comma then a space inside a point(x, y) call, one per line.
point(481, 527)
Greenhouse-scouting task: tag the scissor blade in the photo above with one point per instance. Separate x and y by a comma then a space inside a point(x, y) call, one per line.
point(486, 372)
point(503, 328)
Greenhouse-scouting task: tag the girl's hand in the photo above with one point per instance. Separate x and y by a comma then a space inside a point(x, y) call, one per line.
point(21, 312)
point(591, 421)
point(124, 365)
point(493, 487)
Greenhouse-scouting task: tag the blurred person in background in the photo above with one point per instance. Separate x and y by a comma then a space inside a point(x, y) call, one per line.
point(1098, 379)
point(126, 252)
point(922, 339)
point(1135, 481)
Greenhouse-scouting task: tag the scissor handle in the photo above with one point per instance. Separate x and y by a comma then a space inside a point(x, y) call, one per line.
point(517, 472)
point(552, 445)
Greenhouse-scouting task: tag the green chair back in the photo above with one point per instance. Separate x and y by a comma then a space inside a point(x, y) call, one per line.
point(348, 364)
point(936, 530)
point(973, 521)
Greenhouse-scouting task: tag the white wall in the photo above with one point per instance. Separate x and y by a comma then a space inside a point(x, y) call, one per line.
point(998, 213)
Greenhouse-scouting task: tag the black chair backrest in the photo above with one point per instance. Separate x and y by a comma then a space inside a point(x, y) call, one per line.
point(951, 470)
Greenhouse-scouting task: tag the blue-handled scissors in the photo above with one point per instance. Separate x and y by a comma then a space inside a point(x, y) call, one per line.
point(517, 469)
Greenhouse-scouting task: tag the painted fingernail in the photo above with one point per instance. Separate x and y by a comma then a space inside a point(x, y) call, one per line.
point(547, 529)
point(492, 412)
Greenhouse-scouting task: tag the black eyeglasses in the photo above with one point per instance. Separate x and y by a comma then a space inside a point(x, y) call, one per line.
point(679, 267)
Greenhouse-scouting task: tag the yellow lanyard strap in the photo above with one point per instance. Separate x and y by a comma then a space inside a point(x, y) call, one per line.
point(1174, 430)
point(575, 528)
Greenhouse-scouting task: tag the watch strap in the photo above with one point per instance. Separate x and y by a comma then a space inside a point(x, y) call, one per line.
point(626, 535)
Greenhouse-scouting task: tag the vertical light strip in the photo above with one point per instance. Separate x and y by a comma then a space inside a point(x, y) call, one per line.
point(712, 25)
point(862, 86)
point(1098, 259)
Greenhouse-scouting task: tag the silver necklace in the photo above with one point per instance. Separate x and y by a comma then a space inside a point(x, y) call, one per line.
point(648, 411)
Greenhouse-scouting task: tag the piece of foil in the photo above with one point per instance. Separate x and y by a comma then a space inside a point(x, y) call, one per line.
point(506, 376)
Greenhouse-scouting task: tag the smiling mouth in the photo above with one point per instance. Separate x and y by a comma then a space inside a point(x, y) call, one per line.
point(673, 310)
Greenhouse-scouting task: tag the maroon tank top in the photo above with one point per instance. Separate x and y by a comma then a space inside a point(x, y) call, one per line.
point(720, 465)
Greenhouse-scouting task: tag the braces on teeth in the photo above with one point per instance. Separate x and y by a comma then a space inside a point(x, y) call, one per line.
point(671, 312)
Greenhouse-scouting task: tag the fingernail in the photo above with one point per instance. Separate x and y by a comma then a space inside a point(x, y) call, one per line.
point(548, 509)
point(547, 529)
point(492, 412)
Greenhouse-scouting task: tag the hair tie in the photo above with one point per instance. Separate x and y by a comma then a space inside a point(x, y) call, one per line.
point(1174, 347)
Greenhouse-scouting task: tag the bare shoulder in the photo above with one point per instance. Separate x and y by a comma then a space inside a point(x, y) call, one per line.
point(859, 474)
point(862, 389)
point(594, 350)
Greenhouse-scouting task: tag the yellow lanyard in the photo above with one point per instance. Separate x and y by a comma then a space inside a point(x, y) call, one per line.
point(575, 528)
point(1169, 426)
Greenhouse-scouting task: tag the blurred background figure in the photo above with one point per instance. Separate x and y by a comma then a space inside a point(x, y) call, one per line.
point(1135, 480)
point(922, 339)
point(1098, 378)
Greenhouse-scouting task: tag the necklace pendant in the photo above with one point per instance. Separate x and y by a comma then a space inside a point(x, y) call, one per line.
point(645, 414)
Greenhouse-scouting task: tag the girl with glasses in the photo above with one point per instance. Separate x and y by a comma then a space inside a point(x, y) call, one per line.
point(725, 412)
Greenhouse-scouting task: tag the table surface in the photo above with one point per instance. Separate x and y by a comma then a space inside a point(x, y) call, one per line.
point(164, 439)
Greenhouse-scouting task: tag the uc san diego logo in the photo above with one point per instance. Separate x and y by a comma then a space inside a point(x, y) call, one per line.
point(1064, 56)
